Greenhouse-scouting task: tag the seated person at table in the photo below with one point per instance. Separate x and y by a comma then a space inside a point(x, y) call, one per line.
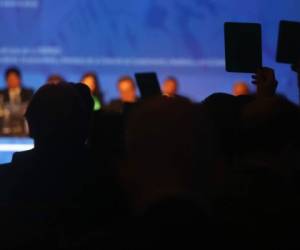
point(15, 93)
point(170, 87)
point(240, 88)
point(13, 101)
point(127, 92)
point(91, 80)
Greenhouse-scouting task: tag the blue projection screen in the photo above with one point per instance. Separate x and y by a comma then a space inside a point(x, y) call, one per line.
point(116, 37)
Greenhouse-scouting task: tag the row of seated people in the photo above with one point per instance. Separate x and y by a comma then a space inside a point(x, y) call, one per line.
point(15, 97)
point(169, 174)
point(16, 93)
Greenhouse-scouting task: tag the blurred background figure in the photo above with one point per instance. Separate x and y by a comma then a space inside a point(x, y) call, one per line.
point(127, 92)
point(13, 103)
point(91, 80)
point(55, 79)
point(14, 92)
point(170, 87)
point(240, 88)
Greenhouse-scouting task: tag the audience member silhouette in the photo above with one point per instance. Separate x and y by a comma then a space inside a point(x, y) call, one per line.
point(259, 196)
point(159, 175)
point(259, 203)
point(169, 174)
point(55, 179)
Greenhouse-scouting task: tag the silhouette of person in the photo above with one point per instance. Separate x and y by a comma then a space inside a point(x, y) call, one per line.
point(158, 176)
point(55, 176)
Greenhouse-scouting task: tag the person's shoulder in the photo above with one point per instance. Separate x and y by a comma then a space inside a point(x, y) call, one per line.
point(3, 91)
point(115, 105)
point(22, 158)
point(4, 165)
point(5, 170)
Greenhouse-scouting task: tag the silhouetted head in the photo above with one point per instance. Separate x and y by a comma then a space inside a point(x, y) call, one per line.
point(55, 79)
point(127, 89)
point(240, 88)
point(170, 86)
point(224, 111)
point(270, 125)
point(60, 115)
point(160, 141)
point(13, 78)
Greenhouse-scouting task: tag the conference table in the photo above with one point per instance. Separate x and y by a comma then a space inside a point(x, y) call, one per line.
point(9, 145)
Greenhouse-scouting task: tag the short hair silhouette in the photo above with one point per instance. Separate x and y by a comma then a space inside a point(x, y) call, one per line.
point(60, 113)
point(269, 125)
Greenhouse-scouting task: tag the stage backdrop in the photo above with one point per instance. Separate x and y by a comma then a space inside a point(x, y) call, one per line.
point(115, 37)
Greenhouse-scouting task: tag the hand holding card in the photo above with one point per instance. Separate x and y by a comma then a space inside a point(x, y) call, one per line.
point(265, 82)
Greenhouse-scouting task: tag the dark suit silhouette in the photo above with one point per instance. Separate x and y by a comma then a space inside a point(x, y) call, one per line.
point(25, 94)
point(52, 184)
point(116, 106)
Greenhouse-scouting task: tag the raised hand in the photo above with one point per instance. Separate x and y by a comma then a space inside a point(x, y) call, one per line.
point(265, 81)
